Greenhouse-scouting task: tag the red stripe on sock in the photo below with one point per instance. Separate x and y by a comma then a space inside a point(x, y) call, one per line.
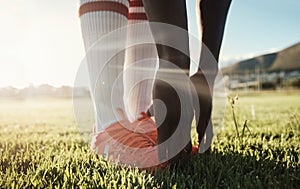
point(136, 3)
point(137, 16)
point(103, 6)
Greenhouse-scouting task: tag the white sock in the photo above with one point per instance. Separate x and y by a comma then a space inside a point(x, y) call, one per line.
point(99, 18)
point(141, 63)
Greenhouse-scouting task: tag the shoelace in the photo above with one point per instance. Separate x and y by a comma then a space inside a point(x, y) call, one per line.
point(144, 117)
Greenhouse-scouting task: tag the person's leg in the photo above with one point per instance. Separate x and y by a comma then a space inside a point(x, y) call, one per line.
point(213, 15)
point(170, 12)
point(99, 18)
point(140, 63)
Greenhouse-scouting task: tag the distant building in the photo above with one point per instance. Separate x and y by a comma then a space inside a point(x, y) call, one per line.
point(270, 71)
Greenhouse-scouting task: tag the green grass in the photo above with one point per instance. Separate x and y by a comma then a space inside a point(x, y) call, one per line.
point(41, 147)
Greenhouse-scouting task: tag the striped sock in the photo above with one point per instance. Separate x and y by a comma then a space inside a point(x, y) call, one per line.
point(98, 18)
point(140, 63)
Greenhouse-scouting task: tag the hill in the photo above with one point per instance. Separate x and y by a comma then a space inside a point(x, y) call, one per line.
point(285, 60)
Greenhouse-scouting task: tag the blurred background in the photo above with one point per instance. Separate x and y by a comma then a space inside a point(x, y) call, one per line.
point(41, 46)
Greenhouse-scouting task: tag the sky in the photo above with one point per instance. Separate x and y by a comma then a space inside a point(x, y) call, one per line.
point(40, 40)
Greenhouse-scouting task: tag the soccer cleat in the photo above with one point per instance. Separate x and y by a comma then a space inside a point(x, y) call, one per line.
point(194, 150)
point(130, 143)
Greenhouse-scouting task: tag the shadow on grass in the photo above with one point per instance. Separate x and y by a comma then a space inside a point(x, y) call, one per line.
point(230, 170)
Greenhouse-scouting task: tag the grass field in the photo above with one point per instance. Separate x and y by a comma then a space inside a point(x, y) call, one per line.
point(41, 147)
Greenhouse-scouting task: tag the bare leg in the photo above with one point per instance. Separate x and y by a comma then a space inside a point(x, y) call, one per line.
point(213, 17)
point(169, 12)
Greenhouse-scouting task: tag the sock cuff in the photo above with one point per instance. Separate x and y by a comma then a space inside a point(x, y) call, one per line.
point(124, 2)
point(136, 10)
point(117, 6)
point(133, 9)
